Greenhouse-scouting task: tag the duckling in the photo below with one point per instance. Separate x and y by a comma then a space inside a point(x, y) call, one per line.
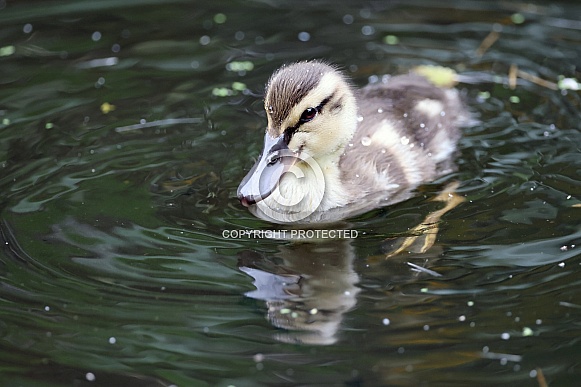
point(331, 151)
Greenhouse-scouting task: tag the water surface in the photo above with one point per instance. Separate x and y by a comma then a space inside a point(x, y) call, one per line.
point(126, 127)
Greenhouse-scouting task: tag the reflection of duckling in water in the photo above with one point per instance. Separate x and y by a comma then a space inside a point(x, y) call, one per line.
point(309, 292)
point(353, 150)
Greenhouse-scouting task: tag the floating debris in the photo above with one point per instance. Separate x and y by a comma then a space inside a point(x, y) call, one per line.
point(220, 18)
point(391, 40)
point(497, 356)
point(423, 269)
point(517, 18)
point(438, 75)
point(169, 121)
point(107, 107)
point(7, 50)
point(568, 84)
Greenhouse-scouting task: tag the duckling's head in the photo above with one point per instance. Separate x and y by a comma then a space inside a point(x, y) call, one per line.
point(312, 113)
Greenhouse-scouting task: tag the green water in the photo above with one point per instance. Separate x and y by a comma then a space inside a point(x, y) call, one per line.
point(126, 126)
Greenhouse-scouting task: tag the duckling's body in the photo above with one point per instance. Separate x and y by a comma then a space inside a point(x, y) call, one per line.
point(373, 146)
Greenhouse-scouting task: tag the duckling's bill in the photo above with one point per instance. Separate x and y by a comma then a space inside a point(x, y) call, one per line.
point(265, 175)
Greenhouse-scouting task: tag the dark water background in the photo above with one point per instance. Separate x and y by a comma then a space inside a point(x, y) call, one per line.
point(126, 126)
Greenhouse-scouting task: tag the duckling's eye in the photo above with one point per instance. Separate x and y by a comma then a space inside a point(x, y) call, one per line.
point(308, 114)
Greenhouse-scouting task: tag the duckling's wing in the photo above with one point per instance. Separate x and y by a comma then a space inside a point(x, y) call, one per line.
point(406, 136)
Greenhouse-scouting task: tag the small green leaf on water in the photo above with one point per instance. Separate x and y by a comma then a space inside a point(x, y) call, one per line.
point(221, 92)
point(236, 66)
point(49, 125)
point(7, 50)
point(238, 86)
point(484, 95)
point(438, 75)
point(391, 40)
point(526, 331)
point(514, 99)
point(219, 18)
point(517, 18)
point(569, 84)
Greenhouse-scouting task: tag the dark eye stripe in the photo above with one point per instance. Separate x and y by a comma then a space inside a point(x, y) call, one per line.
point(307, 116)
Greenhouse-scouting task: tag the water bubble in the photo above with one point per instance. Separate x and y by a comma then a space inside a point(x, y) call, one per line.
point(386, 321)
point(239, 35)
point(304, 36)
point(96, 36)
point(27, 28)
point(348, 19)
point(205, 40)
point(367, 30)
point(404, 140)
point(112, 340)
point(380, 110)
point(505, 336)
point(90, 376)
point(365, 141)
